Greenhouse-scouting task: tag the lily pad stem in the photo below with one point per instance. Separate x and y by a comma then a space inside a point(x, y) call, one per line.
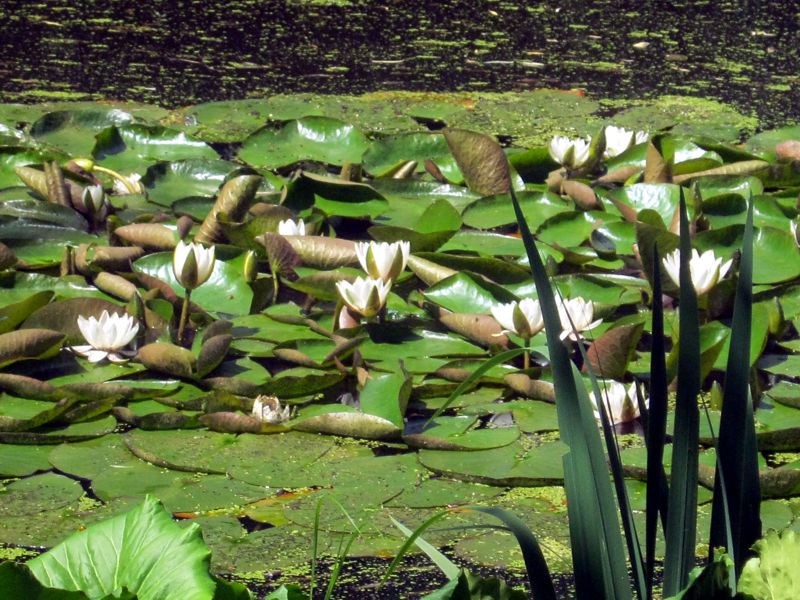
point(121, 178)
point(184, 316)
point(526, 359)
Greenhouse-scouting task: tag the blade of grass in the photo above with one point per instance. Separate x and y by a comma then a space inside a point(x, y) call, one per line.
point(655, 426)
point(446, 566)
point(598, 554)
point(474, 376)
point(681, 532)
point(737, 461)
point(410, 540)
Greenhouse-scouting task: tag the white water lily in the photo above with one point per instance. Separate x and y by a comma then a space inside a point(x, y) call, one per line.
point(576, 312)
point(706, 269)
point(619, 139)
point(134, 185)
point(267, 409)
point(106, 336)
point(570, 153)
point(523, 318)
point(622, 402)
point(192, 264)
point(382, 260)
point(365, 296)
point(291, 227)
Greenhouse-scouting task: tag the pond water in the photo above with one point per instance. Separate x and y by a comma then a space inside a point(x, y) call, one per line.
point(190, 51)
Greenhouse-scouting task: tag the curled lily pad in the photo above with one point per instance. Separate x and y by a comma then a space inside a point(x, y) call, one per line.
point(29, 343)
point(346, 421)
point(153, 236)
point(168, 358)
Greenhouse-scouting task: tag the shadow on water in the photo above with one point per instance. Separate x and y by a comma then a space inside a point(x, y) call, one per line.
point(190, 51)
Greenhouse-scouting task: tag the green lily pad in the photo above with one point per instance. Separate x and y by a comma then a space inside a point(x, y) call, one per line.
point(73, 131)
point(387, 152)
point(38, 494)
point(508, 465)
point(496, 211)
point(167, 182)
point(226, 291)
point(311, 138)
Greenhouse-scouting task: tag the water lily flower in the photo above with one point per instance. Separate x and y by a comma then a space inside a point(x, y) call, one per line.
point(570, 153)
point(192, 264)
point(619, 139)
point(290, 227)
point(706, 269)
point(382, 260)
point(267, 409)
point(523, 318)
point(576, 312)
point(106, 336)
point(622, 402)
point(364, 296)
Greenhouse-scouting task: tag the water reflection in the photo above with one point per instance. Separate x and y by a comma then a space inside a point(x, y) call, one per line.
point(188, 51)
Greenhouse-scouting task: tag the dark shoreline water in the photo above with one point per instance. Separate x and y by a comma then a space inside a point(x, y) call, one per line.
point(190, 51)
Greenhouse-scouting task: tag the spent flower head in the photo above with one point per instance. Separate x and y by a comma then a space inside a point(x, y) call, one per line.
point(267, 409)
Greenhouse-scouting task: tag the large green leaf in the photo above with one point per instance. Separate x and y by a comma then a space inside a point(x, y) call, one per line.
point(387, 152)
point(311, 138)
point(73, 131)
point(496, 211)
point(133, 148)
point(167, 182)
point(226, 291)
point(142, 552)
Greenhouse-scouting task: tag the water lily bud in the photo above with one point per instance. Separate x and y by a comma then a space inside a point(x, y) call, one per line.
point(706, 269)
point(364, 296)
point(94, 199)
point(382, 260)
point(192, 264)
point(250, 267)
point(523, 318)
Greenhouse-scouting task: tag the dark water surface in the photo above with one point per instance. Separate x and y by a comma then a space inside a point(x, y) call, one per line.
point(188, 51)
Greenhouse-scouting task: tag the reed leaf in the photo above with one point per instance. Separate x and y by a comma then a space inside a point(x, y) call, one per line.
point(681, 531)
point(655, 427)
point(737, 455)
point(598, 556)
